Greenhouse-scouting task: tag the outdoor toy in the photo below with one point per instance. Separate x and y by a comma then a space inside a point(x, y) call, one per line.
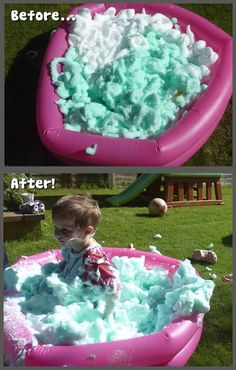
point(41, 206)
point(172, 346)
point(177, 189)
point(228, 277)
point(133, 190)
point(172, 147)
point(36, 206)
point(204, 255)
point(157, 207)
point(29, 208)
point(27, 197)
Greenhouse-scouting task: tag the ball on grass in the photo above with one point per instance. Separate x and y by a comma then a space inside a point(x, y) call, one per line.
point(157, 207)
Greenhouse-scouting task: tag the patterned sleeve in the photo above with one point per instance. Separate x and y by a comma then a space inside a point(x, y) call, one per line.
point(99, 270)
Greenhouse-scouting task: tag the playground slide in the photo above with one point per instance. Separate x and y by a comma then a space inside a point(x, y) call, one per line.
point(145, 180)
point(133, 190)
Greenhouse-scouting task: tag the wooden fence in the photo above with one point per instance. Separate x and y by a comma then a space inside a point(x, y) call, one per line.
point(100, 180)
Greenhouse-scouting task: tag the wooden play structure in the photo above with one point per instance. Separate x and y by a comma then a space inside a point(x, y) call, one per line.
point(181, 190)
point(177, 189)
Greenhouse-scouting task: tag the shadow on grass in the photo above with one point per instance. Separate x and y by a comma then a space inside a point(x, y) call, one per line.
point(22, 143)
point(202, 263)
point(227, 240)
point(147, 215)
point(141, 200)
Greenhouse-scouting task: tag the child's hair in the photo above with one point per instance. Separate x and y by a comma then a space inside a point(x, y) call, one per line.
point(83, 210)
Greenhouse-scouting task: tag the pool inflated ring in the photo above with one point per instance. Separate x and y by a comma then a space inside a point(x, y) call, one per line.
point(172, 346)
point(171, 148)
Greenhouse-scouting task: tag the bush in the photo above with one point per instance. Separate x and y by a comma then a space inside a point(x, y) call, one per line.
point(12, 197)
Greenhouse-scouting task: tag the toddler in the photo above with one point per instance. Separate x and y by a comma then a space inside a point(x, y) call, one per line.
point(75, 218)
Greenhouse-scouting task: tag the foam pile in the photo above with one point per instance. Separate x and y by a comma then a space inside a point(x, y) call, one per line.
point(128, 75)
point(59, 312)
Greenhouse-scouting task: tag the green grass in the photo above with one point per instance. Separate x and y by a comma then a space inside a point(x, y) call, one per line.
point(182, 230)
point(20, 70)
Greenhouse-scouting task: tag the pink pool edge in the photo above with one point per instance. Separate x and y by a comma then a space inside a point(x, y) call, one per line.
point(172, 148)
point(173, 346)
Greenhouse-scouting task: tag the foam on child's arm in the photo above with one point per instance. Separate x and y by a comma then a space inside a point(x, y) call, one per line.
point(110, 304)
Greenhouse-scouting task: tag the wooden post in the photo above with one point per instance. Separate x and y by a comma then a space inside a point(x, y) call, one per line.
point(199, 190)
point(169, 191)
point(208, 190)
point(180, 192)
point(218, 191)
point(190, 191)
point(184, 191)
point(154, 190)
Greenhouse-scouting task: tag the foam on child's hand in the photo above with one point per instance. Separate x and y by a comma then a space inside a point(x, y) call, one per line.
point(128, 75)
point(73, 313)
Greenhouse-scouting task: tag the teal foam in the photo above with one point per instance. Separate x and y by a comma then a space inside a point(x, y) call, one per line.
point(139, 95)
point(72, 313)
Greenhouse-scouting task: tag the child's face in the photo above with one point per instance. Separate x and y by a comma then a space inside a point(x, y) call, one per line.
point(66, 230)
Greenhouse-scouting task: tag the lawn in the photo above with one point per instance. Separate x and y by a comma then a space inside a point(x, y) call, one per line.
point(26, 43)
point(182, 230)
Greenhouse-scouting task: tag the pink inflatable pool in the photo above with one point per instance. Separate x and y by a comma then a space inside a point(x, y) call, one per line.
point(173, 346)
point(172, 148)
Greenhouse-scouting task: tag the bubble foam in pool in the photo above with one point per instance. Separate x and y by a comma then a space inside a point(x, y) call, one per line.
point(175, 342)
point(172, 147)
point(128, 75)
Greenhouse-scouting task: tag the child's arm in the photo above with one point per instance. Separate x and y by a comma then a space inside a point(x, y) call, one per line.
point(100, 271)
point(47, 270)
point(110, 304)
point(51, 267)
point(57, 268)
point(113, 297)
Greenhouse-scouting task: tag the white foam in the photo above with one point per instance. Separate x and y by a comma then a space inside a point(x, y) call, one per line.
point(106, 37)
